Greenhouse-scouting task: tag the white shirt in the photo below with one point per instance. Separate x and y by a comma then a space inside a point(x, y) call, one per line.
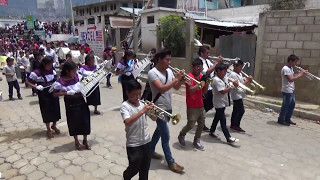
point(82, 58)
point(235, 93)
point(219, 100)
point(287, 87)
point(164, 100)
point(96, 60)
point(52, 53)
point(206, 65)
point(11, 70)
point(137, 134)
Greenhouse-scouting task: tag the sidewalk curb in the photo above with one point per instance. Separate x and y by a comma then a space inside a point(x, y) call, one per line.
point(297, 112)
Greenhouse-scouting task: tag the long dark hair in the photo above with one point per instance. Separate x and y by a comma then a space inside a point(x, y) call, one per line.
point(67, 67)
point(46, 60)
point(88, 58)
point(127, 54)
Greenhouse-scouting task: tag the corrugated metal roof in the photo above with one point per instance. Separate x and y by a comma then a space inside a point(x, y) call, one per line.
point(136, 10)
point(119, 22)
point(224, 24)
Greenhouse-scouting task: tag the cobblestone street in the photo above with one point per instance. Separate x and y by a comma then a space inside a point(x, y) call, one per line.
point(265, 151)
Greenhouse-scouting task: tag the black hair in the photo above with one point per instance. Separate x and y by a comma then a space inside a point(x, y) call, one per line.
point(153, 49)
point(46, 60)
point(127, 54)
point(238, 63)
point(68, 56)
point(71, 44)
point(36, 54)
point(133, 85)
point(9, 59)
point(162, 54)
point(67, 67)
point(41, 50)
point(203, 49)
point(221, 67)
point(88, 58)
point(197, 62)
point(292, 57)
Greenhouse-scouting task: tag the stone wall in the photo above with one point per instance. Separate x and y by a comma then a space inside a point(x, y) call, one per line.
point(282, 33)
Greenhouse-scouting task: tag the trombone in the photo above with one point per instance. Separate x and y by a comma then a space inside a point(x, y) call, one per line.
point(308, 75)
point(241, 86)
point(224, 60)
point(188, 78)
point(160, 113)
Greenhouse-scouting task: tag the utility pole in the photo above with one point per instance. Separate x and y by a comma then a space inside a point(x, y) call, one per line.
point(72, 19)
point(135, 31)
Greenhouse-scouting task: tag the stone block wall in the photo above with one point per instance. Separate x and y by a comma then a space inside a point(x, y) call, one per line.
point(282, 33)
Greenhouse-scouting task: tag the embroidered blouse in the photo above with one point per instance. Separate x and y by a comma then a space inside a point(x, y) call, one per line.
point(62, 85)
point(43, 78)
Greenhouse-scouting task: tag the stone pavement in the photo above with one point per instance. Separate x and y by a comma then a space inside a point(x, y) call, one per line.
point(266, 151)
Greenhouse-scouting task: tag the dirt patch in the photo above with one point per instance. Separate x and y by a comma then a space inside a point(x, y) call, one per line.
point(17, 135)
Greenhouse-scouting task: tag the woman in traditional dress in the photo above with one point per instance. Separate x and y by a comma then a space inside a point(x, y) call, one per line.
point(124, 70)
point(77, 110)
point(42, 79)
point(87, 70)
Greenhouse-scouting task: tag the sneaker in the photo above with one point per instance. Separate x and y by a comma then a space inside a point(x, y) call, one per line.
point(197, 145)
point(110, 87)
point(19, 97)
point(238, 129)
point(293, 123)
point(284, 123)
point(205, 129)
point(11, 99)
point(182, 142)
point(232, 140)
point(34, 94)
point(176, 168)
point(156, 156)
point(213, 135)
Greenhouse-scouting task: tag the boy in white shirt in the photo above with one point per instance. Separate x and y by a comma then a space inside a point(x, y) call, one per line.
point(221, 100)
point(133, 113)
point(10, 73)
point(288, 77)
point(237, 96)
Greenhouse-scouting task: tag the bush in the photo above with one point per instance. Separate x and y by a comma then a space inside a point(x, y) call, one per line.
point(286, 4)
point(172, 32)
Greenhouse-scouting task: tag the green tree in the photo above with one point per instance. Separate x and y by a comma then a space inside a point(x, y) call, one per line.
point(286, 4)
point(172, 32)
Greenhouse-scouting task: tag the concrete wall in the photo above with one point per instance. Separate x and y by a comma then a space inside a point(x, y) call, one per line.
point(148, 31)
point(312, 4)
point(282, 33)
point(10, 22)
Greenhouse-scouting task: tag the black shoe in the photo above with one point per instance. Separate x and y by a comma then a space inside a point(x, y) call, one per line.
point(11, 99)
point(19, 97)
point(293, 123)
point(205, 129)
point(34, 94)
point(284, 123)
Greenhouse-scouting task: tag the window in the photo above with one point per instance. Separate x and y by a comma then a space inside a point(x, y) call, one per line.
point(125, 5)
point(135, 5)
point(95, 9)
point(106, 7)
point(113, 7)
point(91, 21)
point(99, 19)
point(210, 0)
point(150, 19)
point(140, 5)
point(102, 8)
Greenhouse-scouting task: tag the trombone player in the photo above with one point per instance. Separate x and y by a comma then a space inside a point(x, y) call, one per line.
point(208, 70)
point(162, 80)
point(237, 96)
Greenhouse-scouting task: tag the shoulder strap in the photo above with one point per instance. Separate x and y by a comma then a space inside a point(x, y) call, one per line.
point(207, 63)
point(159, 94)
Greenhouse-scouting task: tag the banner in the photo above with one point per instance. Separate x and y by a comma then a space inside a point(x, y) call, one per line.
point(3, 2)
point(94, 37)
point(30, 22)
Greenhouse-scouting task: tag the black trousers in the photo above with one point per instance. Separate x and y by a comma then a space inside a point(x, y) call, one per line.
point(14, 84)
point(139, 162)
point(23, 76)
point(237, 113)
point(207, 101)
point(220, 116)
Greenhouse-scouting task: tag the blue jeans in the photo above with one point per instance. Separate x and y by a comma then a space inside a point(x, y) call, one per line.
point(108, 79)
point(14, 84)
point(162, 131)
point(287, 107)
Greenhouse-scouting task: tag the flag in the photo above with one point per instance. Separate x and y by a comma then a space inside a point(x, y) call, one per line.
point(3, 2)
point(99, 35)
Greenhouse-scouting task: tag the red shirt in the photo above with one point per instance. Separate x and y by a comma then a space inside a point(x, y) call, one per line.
point(194, 100)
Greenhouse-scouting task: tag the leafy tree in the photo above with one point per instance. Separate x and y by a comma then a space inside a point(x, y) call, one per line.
point(286, 4)
point(172, 32)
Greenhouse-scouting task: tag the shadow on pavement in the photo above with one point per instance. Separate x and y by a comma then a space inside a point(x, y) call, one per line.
point(17, 135)
point(275, 123)
point(189, 146)
point(33, 103)
point(70, 147)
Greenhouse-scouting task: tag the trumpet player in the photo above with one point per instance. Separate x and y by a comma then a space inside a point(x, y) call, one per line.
point(162, 80)
point(220, 101)
point(208, 70)
point(237, 96)
point(137, 132)
point(288, 77)
point(195, 109)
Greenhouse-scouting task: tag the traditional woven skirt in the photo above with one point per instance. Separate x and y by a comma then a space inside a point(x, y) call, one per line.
point(49, 106)
point(94, 98)
point(78, 115)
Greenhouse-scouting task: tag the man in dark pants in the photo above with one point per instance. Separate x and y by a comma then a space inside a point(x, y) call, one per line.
point(208, 68)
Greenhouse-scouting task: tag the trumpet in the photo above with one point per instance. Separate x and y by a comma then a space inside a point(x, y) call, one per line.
point(224, 60)
point(254, 83)
point(241, 86)
point(188, 78)
point(308, 75)
point(160, 113)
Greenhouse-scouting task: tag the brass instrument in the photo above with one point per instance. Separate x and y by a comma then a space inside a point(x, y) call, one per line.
point(227, 61)
point(241, 86)
point(160, 113)
point(308, 75)
point(188, 78)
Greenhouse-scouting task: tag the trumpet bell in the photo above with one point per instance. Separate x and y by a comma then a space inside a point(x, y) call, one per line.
point(175, 119)
point(201, 84)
